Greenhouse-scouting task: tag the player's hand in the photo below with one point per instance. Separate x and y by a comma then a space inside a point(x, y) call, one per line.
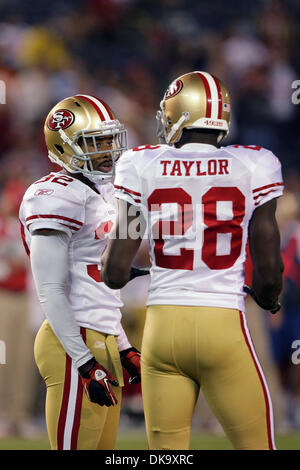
point(134, 272)
point(274, 308)
point(131, 361)
point(97, 383)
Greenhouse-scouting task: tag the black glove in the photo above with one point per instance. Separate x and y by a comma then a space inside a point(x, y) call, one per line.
point(274, 308)
point(97, 383)
point(134, 272)
point(131, 361)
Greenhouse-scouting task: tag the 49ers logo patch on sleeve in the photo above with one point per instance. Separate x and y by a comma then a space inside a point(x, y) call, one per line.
point(61, 119)
point(173, 89)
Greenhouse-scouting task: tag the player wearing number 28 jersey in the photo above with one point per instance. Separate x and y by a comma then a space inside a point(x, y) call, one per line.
point(202, 203)
point(66, 218)
point(199, 201)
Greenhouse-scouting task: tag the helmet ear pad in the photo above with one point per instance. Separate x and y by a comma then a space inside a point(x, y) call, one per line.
point(200, 96)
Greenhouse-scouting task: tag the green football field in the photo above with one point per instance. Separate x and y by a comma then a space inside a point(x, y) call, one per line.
point(137, 441)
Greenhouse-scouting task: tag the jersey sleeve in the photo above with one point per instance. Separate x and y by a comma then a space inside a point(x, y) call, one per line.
point(267, 182)
point(53, 208)
point(127, 181)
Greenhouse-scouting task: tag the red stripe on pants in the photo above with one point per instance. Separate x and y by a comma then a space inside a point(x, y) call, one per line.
point(64, 406)
point(268, 419)
point(65, 403)
point(78, 406)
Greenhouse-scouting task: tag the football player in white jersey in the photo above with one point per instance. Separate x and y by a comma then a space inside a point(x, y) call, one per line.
point(201, 203)
point(65, 220)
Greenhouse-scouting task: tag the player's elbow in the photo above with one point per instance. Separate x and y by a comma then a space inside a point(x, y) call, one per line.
point(272, 282)
point(49, 291)
point(114, 278)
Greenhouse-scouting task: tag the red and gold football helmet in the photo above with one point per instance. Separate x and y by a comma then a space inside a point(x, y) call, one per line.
point(73, 132)
point(194, 100)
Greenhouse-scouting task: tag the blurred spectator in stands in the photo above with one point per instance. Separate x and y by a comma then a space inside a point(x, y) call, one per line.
point(17, 385)
point(285, 326)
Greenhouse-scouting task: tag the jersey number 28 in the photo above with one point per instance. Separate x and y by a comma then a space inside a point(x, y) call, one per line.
point(213, 226)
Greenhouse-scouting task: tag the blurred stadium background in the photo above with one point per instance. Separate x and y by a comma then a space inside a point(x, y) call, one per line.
point(127, 52)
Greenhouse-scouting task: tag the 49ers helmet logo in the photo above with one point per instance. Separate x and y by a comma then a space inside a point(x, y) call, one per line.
point(61, 119)
point(173, 89)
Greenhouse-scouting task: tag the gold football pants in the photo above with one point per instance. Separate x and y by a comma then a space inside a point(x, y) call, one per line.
point(185, 348)
point(73, 422)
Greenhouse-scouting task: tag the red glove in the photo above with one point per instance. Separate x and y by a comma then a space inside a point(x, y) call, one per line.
point(131, 361)
point(97, 383)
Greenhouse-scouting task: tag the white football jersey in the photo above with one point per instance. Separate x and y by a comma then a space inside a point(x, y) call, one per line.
point(61, 202)
point(198, 201)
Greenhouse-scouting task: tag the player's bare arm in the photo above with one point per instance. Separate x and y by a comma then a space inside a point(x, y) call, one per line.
point(264, 242)
point(121, 249)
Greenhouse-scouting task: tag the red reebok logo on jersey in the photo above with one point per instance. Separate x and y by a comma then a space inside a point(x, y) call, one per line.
point(61, 119)
point(44, 192)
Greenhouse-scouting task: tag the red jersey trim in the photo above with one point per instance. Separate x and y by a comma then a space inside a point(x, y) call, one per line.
point(53, 216)
point(262, 195)
point(127, 190)
point(266, 187)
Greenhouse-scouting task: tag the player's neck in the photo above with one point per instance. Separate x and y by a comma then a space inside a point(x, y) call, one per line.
point(197, 138)
point(82, 178)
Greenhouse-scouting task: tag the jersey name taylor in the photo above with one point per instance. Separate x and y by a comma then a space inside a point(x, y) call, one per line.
point(60, 202)
point(198, 201)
